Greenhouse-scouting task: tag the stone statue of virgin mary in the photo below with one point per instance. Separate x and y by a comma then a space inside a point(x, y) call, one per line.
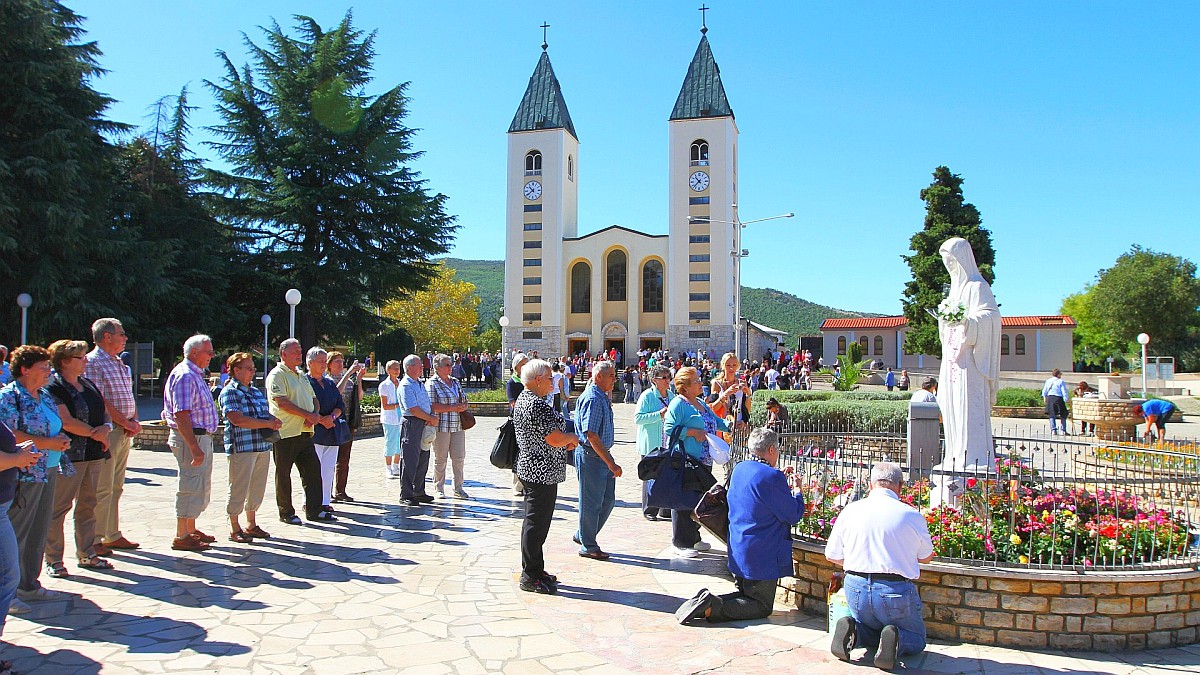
point(969, 328)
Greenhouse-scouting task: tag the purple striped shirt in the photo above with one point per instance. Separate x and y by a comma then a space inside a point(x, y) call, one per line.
point(186, 389)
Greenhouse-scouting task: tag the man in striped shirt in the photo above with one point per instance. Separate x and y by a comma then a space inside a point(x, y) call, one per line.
point(189, 410)
point(111, 376)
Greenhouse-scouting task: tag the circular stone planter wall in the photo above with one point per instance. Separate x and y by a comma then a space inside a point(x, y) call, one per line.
point(1097, 611)
point(1115, 419)
point(1013, 412)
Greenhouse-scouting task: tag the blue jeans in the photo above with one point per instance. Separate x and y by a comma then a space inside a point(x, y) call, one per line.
point(875, 604)
point(10, 563)
point(597, 494)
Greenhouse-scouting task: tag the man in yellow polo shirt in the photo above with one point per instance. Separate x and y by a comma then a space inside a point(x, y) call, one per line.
point(291, 398)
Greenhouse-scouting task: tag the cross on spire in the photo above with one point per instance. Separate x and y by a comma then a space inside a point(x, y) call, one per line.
point(544, 26)
point(703, 16)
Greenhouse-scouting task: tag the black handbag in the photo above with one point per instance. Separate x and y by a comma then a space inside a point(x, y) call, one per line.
point(713, 512)
point(651, 464)
point(681, 480)
point(504, 452)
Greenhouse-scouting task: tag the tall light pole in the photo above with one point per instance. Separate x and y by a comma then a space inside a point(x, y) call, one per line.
point(503, 321)
point(24, 300)
point(266, 321)
point(293, 298)
point(737, 254)
point(1143, 339)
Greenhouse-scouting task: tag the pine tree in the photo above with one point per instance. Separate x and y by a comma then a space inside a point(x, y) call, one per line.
point(946, 216)
point(320, 194)
point(55, 242)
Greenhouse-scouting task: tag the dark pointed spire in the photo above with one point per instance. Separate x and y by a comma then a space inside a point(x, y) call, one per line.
point(543, 106)
point(702, 94)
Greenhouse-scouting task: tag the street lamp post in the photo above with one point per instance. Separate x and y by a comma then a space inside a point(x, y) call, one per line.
point(1143, 339)
point(24, 300)
point(737, 254)
point(266, 321)
point(293, 298)
point(503, 321)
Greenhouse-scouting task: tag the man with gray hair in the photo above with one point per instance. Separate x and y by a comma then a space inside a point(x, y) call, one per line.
point(594, 464)
point(189, 410)
point(111, 376)
point(879, 542)
point(291, 398)
point(416, 411)
point(764, 505)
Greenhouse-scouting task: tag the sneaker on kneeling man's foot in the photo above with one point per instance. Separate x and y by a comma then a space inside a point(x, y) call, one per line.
point(685, 552)
point(702, 546)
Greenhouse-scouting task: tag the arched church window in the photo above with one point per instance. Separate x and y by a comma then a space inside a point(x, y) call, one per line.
point(1020, 345)
point(865, 344)
point(616, 276)
point(533, 163)
point(1004, 345)
point(878, 345)
point(581, 288)
point(652, 286)
point(841, 345)
point(699, 152)
point(570, 168)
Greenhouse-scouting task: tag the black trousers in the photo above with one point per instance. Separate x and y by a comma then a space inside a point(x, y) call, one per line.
point(342, 472)
point(416, 462)
point(685, 532)
point(652, 510)
point(539, 511)
point(298, 451)
point(753, 600)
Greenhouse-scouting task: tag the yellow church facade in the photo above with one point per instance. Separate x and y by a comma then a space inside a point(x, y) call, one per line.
point(617, 287)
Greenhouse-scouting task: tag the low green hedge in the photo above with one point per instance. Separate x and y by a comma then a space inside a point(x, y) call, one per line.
point(802, 395)
point(487, 396)
point(844, 413)
point(1018, 397)
point(369, 404)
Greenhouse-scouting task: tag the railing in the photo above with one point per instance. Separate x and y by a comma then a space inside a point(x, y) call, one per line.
point(1062, 503)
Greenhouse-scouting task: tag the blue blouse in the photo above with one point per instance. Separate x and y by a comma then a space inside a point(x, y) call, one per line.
point(682, 413)
point(20, 411)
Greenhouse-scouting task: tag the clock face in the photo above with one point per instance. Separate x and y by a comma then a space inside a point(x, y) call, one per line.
point(533, 190)
point(698, 181)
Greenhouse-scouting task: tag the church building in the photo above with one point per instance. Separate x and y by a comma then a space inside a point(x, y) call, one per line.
point(616, 287)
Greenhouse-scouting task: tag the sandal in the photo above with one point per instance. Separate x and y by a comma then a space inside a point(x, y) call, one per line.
point(57, 570)
point(95, 563)
point(257, 532)
point(6, 668)
point(241, 537)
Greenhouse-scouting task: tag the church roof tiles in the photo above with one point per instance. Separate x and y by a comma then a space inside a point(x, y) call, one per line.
point(543, 106)
point(702, 94)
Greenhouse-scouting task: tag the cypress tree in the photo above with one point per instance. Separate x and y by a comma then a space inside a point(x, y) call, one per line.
point(946, 216)
point(320, 194)
point(55, 242)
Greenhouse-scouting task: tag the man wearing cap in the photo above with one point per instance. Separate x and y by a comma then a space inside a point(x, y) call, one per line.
point(879, 542)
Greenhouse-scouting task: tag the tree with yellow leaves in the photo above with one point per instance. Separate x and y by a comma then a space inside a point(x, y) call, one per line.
point(441, 317)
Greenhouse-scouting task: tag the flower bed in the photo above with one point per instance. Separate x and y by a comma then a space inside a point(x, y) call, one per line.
point(1017, 519)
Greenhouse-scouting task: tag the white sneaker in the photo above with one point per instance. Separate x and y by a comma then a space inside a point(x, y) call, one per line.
point(685, 553)
point(702, 546)
point(441, 494)
point(391, 471)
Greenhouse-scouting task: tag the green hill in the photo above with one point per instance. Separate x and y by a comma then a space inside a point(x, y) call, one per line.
point(768, 306)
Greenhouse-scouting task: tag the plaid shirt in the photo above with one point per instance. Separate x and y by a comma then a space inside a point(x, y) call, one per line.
point(446, 394)
point(251, 402)
point(111, 376)
point(187, 390)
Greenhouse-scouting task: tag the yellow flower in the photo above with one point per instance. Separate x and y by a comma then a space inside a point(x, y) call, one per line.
point(1015, 539)
point(1024, 559)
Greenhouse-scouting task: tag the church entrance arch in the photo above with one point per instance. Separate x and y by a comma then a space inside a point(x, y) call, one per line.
point(614, 333)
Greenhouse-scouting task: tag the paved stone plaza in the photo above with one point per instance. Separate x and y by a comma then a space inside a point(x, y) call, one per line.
point(433, 590)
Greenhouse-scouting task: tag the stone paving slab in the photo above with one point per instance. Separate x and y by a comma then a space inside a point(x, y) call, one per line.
point(433, 590)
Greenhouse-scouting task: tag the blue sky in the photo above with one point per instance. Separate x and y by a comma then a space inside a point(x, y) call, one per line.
point(1074, 124)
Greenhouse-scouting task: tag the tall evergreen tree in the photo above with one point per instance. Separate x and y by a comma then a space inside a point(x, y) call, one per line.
point(54, 241)
point(946, 216)
point(320, 192)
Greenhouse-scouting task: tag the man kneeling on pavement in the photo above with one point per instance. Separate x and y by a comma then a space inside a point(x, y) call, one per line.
point(879, 542)
point(764, 505)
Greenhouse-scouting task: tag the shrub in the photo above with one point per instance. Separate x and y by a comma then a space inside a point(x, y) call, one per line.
point(487, 396)
point(1018, 397)
point(802, 395)
point(841, 413)
point(369, 404)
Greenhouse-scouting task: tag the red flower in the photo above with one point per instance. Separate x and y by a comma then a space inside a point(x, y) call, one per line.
point(971, 482)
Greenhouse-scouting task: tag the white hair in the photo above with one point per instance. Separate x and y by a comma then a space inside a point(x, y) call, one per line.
point(533, 369)
point(761, 440)
point(288, 344)
point(442, 358)
point(314, 353)
point(102, 327)
point(887, 472)
point(601, 366)
point(391, 363)
point(411, 360)
point(519, 361)
point(193, 343)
